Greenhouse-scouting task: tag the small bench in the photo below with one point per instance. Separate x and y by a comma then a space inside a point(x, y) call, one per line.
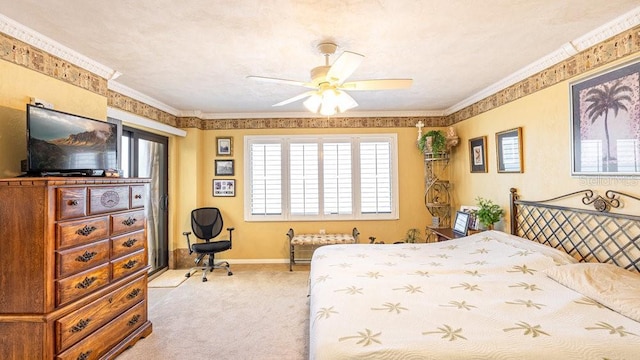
point(307, 243)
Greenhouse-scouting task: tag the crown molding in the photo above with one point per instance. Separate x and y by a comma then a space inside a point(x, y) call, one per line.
point(134, 94)
point(606, 31)
point(610, 29)
point(35, 39)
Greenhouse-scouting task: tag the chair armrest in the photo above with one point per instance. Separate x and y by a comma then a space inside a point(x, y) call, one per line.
point(187, 233)
point(230, 230)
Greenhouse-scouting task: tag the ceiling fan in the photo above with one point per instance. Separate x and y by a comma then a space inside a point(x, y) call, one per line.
point(328, 96)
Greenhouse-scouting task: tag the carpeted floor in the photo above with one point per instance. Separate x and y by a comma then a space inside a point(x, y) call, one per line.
point(258, 313)
point(169, 279)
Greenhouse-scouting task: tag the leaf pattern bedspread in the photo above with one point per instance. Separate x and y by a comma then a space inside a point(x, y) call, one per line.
point(479, 297)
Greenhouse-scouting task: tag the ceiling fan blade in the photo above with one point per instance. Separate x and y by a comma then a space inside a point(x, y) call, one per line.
point(280, 81)
point(295, 98)
point(381, 84)
point(344, 66)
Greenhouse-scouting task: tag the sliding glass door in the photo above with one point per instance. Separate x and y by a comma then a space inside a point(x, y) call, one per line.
point(144, 155)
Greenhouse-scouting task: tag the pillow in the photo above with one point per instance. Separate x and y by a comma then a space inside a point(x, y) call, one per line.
point(612, 286)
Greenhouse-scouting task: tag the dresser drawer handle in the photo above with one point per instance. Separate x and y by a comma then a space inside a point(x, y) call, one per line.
point(72, 202)
point(129, 243)
point(133, 320)
point(87, 256)
point(84, 355)
point(86, 282)
point(130, 221)
point(86, 230)
point(80, 325)
point(130, 264)
point(133, 294)
point(137, 196)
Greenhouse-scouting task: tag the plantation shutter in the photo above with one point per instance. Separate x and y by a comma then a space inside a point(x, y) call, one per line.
point(266, 179)
point(304, 179)
point(337, 182)
point(375, 178)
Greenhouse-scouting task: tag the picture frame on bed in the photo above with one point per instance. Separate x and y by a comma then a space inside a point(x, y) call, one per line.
point(461, 223)
point(509, 151)
point(605, 122)
point(478, 154)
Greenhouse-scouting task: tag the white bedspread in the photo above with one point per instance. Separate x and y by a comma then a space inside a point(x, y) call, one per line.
point(480, 297)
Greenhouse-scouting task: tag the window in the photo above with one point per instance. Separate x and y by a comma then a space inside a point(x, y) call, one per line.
point(332, 177)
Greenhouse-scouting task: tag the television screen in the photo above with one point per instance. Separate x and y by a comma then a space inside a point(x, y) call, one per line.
point(59, 142)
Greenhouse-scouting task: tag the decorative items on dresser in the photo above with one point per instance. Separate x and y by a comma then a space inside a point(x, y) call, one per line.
point(73, 267)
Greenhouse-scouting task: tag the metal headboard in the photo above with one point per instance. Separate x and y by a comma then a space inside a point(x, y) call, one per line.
point(587, 235)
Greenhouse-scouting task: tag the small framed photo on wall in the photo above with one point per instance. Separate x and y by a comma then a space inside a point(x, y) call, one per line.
point(509, 151)
point(224, 146)
point(224, 168)
point(478, 154)
point(224, 187)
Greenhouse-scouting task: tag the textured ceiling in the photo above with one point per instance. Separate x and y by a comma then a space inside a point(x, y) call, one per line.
point(195, 55)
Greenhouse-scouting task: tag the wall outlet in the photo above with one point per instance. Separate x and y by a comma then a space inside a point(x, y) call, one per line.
point(322, 232)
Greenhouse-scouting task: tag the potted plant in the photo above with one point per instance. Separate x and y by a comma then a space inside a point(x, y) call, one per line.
point(412, 236)
point(488, 213)
point(436, 140)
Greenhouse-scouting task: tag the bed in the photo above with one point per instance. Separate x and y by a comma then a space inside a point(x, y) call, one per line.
point(566, 287)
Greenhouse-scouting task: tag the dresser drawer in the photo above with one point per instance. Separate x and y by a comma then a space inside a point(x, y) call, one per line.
point(81, 258)
point(77, 286)
point(72, 233)
point(129, 264)
point(107, 336)
point(138, 196)
point(126, 222)
point(75, 326)
point(71, 203)
point(107, 199)
point(126, 244)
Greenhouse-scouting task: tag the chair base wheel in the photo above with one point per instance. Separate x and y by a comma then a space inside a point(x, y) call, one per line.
point(204, 279)
point(229, 273)
point(187, 274)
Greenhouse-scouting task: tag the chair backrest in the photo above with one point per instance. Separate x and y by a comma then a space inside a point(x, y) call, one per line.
point(206, 223)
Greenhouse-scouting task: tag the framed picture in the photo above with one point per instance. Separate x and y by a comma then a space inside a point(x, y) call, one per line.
point(461, 224)
point(509, 151)
point(605, 123)
point(224, 146)
point(473, 219)
point(224, 187)
point(478, 154)
point(224, 167)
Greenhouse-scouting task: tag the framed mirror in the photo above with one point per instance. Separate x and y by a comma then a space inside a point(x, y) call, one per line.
point(509, 151)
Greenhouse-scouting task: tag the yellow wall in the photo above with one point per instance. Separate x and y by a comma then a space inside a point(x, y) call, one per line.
point(267, 240)
point(545, 120)
point(544, 117)
point(17, 84)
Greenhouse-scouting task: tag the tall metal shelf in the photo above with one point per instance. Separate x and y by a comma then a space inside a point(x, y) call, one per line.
point(437, 195)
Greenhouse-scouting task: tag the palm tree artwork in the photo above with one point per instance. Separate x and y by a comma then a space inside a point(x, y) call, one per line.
point(604, 99)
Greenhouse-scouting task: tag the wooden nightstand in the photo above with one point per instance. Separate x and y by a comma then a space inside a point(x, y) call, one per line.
point(444, 234)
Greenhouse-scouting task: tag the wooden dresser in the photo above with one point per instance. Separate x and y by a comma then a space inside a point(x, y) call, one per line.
point(73, 267)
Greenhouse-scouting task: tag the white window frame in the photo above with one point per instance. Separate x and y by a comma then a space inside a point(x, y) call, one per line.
point(355, 140)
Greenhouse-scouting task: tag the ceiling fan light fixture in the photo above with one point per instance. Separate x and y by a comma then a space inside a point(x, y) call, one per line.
point(313, 103)
point(345, 101)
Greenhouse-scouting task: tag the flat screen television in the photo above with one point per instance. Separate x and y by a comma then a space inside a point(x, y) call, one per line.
point(59, 142)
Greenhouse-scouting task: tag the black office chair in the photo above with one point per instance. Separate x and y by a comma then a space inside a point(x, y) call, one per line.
point(206, 224)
